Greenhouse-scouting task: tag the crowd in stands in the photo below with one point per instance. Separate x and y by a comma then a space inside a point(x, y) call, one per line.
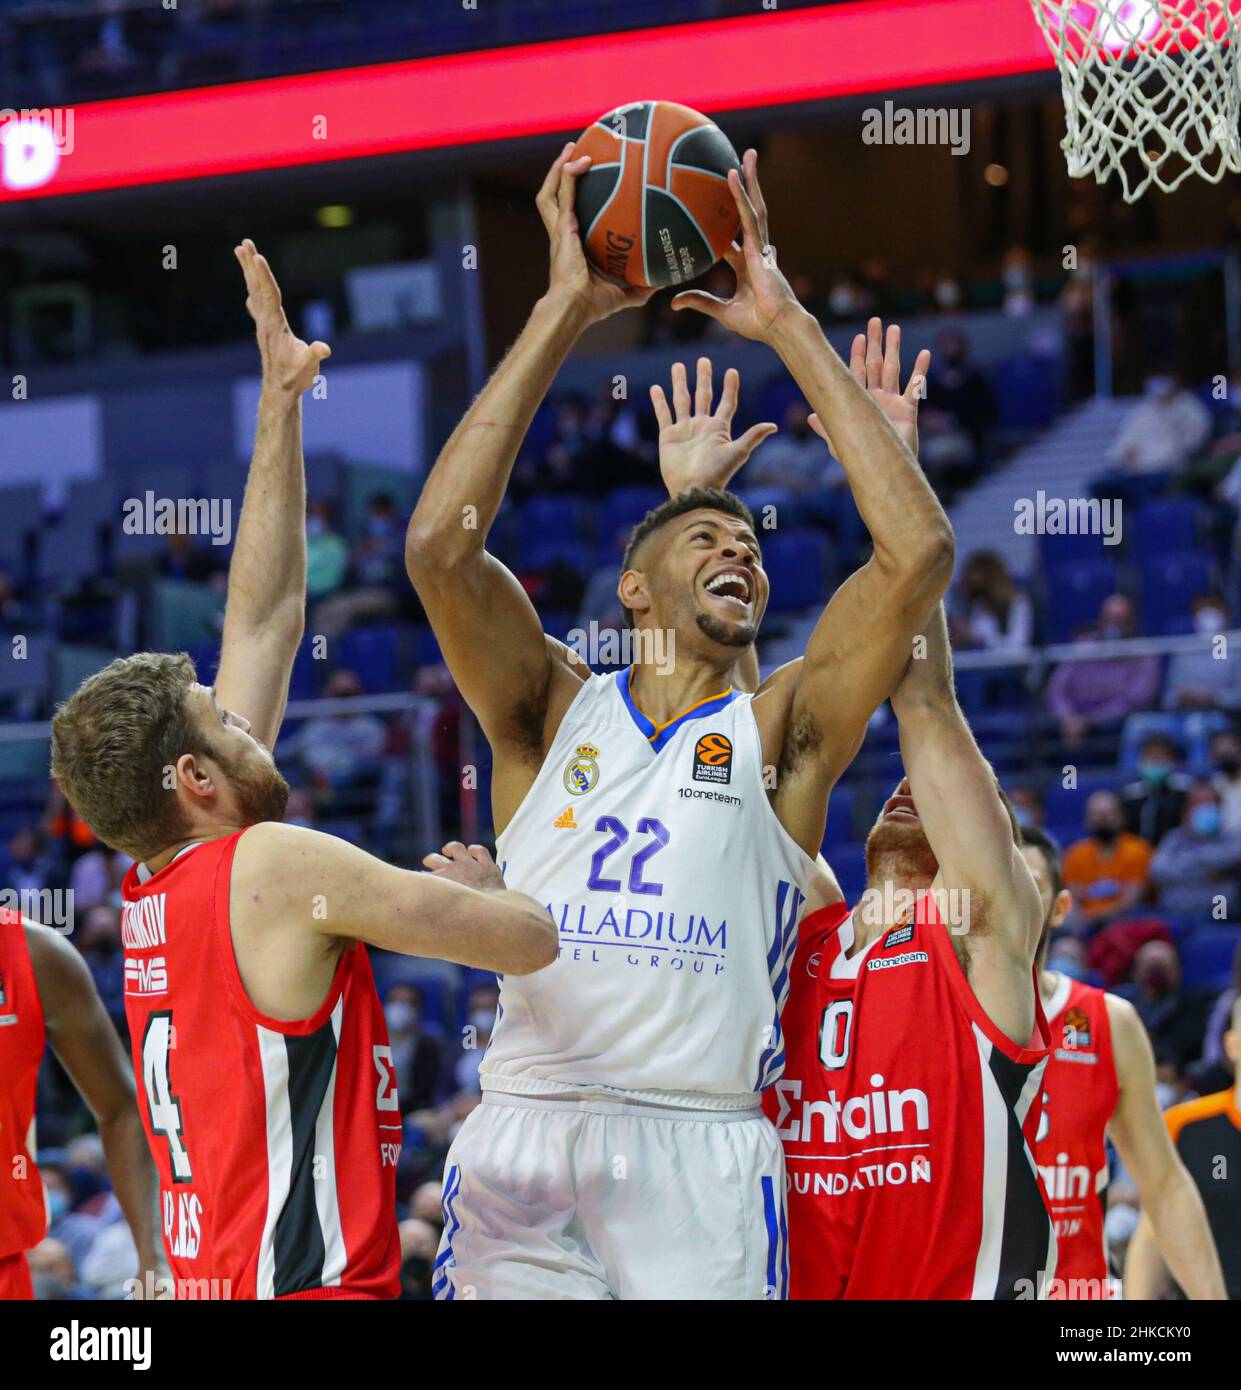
point(1131, 760)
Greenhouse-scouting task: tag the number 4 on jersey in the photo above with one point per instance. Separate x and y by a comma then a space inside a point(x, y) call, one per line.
point(164, 1107)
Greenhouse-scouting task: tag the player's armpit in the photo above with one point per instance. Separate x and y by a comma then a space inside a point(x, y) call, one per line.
point(321, 889)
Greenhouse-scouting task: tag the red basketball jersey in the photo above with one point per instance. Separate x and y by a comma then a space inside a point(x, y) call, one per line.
point(1080, 1091)
point(23, 1212)
point(906, 1117)
point(276, 1142)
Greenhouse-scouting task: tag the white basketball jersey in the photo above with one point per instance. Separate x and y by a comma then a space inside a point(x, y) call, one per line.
point(677, 893)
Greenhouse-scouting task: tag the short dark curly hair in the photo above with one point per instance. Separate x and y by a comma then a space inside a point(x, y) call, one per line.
point(696, 499)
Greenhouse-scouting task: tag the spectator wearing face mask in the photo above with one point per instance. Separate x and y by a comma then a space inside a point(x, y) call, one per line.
point(1210, 678)
point(327, 552)
point(1174, 1016)
point(1108, 870)
point(481, 1021)
point(1226, 778)
point(1099, 693)
point(1165, 428)
point(1197, 867)
point(417, 1057)
point(1155, 803)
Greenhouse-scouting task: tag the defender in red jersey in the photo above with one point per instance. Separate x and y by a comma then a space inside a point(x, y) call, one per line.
point(47, 995)
point(916, 1041)
point(267, 1087)
point(1100, 1084)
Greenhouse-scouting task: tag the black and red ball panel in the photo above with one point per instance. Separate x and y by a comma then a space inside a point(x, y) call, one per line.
point(654, 208)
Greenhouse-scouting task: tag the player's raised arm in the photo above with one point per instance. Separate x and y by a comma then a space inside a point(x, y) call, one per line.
point(290, 879)
point(265, 613)
point(1170, 1201)
point(489, 631)
point(970, 831)
point(859, 648)
point(87, 1046)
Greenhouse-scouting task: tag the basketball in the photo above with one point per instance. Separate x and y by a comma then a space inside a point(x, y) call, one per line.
point(654, 207)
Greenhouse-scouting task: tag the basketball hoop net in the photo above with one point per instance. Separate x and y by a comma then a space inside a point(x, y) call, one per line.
point(1152, 88)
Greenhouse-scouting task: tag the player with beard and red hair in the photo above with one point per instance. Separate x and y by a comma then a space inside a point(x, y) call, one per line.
point(264, 1070)
point(916, 1040)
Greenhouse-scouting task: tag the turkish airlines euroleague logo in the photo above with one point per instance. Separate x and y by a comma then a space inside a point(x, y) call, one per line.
point(713, 759)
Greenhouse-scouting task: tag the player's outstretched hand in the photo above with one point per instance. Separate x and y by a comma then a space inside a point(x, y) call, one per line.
point(289, 365)
point(572, 276)
point(696, 446)
point(473, 867)
point(763, 299)
point(876, 365)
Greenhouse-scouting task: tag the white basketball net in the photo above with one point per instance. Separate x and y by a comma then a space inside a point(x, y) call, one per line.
point(1151, 88)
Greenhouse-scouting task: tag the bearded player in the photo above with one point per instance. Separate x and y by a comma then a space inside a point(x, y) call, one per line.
point(669, 821)
point(263, 1063)
point(1100, 1085)
point(47, 995)
point(917, 1042)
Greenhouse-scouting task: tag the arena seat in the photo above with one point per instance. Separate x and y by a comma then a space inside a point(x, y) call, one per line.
point(1075, 592)
point(374, 653)
point(1170, 583)
point(795, 565)
point(1166, 525)
point(1207, 956)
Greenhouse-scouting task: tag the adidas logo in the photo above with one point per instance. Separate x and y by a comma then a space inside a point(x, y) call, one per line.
point(565, 821)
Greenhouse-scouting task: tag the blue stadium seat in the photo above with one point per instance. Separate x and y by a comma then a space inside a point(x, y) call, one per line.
point(795, 563)
point(566, 549)
point(557, 518)
point(307, 678)
point(1027, 389)
point(1170, 583)
point(1075, 594)
point(839, 816)
point(1166, 525)
point(625, 507)
point(373, 654)
point(1207, 956)
point(1064, 807)
point(426, 648)
point(848, 863)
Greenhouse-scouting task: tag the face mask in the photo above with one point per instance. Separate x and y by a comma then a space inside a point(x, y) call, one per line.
point(378, 526)
point(316, 526)
point(1022, 817)
point(58, 1203)
point(1112, 631)
point(1104, 833)
point(1159, 386)
point(1209, 621)
point(1165, 1094)
point(482, 1022)
point(1154, 772)
point(1158, 979)
point(1204, 819)
point(401, 1016)
point(1229, 765)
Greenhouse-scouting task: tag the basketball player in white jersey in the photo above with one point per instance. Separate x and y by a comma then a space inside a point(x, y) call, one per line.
point(669, 821)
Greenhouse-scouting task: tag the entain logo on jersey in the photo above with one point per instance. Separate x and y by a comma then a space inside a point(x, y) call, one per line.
point(713, 759)
point(6, 1020)
point(899, 1113)
point(581, 775)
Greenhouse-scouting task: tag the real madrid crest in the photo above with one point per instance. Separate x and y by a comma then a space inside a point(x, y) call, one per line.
point(582, 773)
